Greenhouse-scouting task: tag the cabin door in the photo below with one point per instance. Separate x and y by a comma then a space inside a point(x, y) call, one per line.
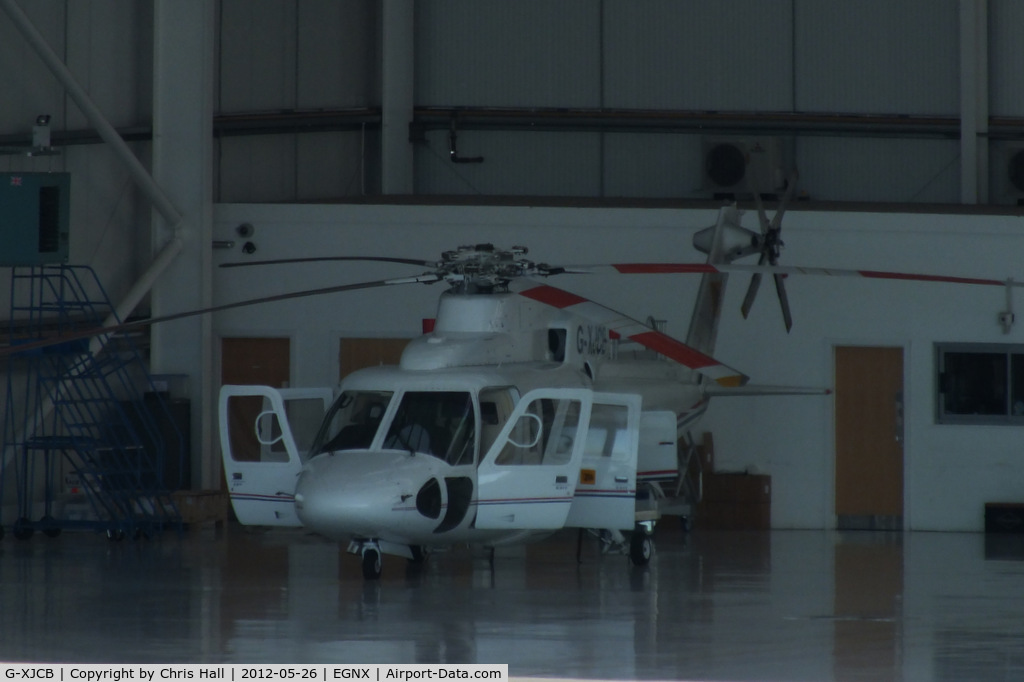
point(528, 477)
point(263, 456)
point(606, 490)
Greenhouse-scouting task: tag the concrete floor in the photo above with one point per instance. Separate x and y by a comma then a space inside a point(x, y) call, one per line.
point(785, 605)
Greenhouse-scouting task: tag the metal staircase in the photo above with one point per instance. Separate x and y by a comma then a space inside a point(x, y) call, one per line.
point(83, 422)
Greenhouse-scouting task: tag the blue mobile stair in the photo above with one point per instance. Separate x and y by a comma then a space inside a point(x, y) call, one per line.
point(88, 439)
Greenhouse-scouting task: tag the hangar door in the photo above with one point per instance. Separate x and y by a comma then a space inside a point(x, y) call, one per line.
point(869, 438)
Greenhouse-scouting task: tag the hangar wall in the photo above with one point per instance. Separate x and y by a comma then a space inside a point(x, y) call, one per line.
point(950, 471)
point(802, 57)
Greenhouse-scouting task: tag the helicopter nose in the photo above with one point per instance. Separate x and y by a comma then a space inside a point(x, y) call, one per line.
point(367, 494)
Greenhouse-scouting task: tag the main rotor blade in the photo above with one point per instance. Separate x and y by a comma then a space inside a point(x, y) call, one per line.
point(623, 326)
point(704, 268)
point(316, 259)
point(428, 278)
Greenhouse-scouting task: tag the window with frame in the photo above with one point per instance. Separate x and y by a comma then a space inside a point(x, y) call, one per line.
point(979, 383)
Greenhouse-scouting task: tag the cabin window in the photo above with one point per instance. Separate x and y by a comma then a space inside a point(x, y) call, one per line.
point(556, 344)
point(304, 418)
point(543, 434)
point(438, 423)
point(608, 434)
point(980, 384)
point(496, 404)
point(352, 421)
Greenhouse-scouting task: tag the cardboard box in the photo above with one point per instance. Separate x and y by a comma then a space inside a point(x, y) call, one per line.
point(735, 502)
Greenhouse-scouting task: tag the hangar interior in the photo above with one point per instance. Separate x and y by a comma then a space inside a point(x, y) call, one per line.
point(195, 134)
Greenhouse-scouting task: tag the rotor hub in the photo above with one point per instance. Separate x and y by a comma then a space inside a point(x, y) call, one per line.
point(482, 268)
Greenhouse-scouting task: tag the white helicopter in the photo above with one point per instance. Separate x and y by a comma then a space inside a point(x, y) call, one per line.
point(525, 410)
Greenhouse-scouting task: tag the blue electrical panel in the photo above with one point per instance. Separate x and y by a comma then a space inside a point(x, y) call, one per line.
point(34, 218)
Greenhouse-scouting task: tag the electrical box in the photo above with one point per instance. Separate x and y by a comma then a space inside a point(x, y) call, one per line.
point(34, 218)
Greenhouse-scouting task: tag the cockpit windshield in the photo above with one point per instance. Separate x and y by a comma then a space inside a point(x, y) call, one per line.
point(352, 421)
point(438, 423)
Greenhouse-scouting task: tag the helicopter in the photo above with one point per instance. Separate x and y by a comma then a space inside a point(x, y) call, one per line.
point(524, 409)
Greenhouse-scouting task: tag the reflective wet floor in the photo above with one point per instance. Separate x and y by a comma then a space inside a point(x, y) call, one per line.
point(785, 605)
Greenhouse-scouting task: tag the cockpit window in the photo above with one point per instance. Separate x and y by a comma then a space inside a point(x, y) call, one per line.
point(352, 421)
point(438, 423)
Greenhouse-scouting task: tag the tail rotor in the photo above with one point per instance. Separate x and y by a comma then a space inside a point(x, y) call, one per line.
point(770, 245)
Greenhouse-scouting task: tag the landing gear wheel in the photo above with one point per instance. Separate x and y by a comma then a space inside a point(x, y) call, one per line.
point(641, 546)
point(22, 529)
point(115, 534)
point(371, 563)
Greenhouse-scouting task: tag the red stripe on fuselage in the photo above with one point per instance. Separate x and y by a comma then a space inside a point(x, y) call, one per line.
point(676, 350)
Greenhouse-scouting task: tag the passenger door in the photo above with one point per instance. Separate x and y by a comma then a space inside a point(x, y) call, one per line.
point(606, 492)
point(528, 478)
point(263, 456)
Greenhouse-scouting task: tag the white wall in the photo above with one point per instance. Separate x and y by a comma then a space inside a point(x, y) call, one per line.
point(950, 471)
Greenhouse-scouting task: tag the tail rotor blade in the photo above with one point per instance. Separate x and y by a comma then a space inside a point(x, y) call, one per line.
point(786, 198)
point(780, 289)
point(748, 300)
point(761, 215)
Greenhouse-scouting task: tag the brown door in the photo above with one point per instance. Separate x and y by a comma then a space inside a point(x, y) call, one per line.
point(245, 361)
point(869, 438)
point(356, 353)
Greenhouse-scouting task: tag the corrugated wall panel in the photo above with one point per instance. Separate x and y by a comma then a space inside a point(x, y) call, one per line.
point(1006, 67)
point(337, 54)
point(878, 56)
point(518, 163)
point(652, 165)
point(110, 50)
point(731, 55)
point(257, 59)
point(30, 88)
point(529, 53)
point(281, 55)
point(891, 170)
